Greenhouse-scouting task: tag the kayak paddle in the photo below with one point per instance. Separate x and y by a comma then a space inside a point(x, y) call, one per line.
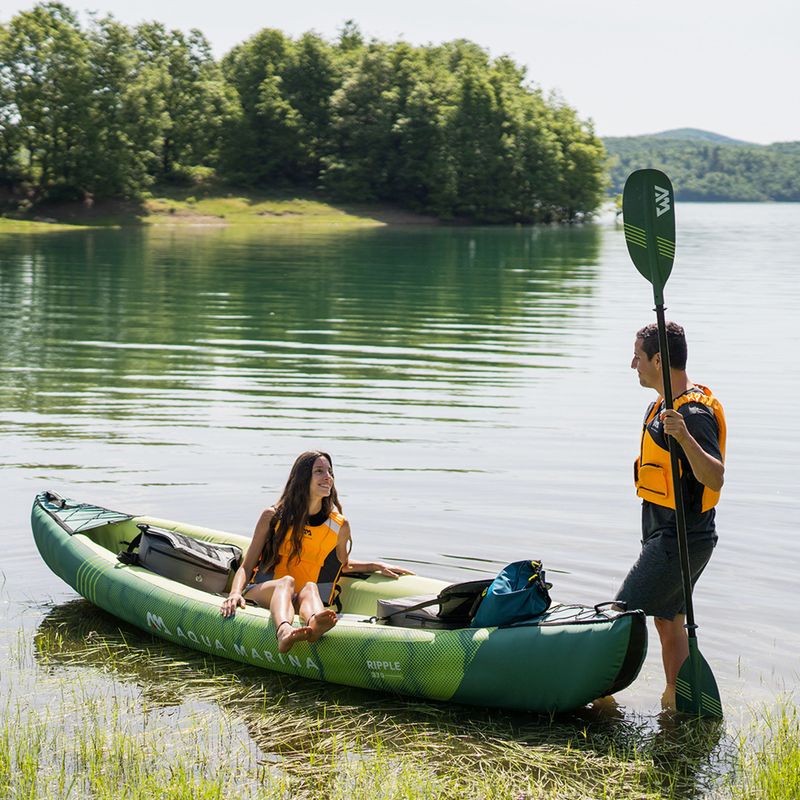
point(648, 211)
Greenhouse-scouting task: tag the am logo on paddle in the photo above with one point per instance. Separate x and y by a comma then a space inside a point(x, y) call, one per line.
point(662, 201)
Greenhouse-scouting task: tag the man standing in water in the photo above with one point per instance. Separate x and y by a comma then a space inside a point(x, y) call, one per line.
point(697, 425)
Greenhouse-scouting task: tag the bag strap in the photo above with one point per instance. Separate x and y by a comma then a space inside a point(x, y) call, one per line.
point(128, 556)
point(437, 600)
point(416, 607)
point(476, 602)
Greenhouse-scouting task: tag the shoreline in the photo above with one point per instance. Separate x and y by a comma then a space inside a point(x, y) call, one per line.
point(195, 206)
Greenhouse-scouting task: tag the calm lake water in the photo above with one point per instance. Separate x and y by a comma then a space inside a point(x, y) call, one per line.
point(472, 384)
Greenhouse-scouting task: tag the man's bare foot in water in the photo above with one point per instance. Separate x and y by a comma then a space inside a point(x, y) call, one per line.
point(288, 635)
point(668, 702)
point(320, 623)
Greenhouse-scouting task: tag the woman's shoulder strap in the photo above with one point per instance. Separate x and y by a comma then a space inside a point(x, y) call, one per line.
point(336, 520)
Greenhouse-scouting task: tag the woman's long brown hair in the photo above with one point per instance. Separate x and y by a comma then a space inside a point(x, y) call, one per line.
point(291, 511)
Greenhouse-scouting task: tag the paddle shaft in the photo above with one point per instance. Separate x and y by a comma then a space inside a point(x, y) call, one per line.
point(674, 448)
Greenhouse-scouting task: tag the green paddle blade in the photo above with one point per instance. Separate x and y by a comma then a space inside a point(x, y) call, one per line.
point(696, 690)
point(648, 212)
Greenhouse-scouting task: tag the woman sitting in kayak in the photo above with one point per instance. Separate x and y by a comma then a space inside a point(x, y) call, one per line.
point(299, 549)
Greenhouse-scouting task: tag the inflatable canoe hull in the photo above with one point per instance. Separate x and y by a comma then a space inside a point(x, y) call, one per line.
point(570, 656)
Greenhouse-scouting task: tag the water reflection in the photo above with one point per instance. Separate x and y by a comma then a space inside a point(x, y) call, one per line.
point(158, 326)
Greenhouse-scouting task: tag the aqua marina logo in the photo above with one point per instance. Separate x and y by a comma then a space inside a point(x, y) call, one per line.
point(663, 203)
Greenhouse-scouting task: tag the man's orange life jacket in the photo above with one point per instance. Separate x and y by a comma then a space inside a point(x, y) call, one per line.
point(652, 471)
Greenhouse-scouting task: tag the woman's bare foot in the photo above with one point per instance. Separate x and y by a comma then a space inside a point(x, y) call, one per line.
point(288, 635)
point(320, 623)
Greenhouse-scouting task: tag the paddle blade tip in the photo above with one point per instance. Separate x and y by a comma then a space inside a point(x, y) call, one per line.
point(696, 691)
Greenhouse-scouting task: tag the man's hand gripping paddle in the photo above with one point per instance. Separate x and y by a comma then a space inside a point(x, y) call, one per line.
point(648, 210)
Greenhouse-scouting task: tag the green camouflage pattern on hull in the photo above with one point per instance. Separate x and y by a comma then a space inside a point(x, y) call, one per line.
point(571, 656)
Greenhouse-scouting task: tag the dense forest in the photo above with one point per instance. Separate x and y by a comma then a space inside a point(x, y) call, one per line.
point(703, 166)
point(104, 110)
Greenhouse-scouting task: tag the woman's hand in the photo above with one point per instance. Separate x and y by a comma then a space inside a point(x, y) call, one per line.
point(376, 567)
point(233, 601)
point(389, 570)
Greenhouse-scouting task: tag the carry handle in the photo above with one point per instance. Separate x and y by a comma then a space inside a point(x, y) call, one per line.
point(621, 604)
point(52, 497)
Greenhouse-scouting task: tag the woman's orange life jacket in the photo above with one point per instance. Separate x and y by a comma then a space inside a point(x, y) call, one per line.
point(317, 561)
point(652, 471)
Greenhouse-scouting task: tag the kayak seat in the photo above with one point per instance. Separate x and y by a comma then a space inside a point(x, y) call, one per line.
point(454, 607)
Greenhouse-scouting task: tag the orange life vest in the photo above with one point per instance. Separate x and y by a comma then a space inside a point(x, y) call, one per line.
point(652, 471)
point(317, 561)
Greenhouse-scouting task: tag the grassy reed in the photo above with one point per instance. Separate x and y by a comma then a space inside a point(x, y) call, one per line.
point(118, 714)
point(769, 757)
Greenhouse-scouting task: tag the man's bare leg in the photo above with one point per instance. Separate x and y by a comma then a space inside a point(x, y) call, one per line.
point(674, 651)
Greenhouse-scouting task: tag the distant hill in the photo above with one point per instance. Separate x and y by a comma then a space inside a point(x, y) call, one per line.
point(695, 134)
point(708, 166)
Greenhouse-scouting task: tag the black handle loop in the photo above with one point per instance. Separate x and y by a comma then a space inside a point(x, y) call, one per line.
point(622, 605)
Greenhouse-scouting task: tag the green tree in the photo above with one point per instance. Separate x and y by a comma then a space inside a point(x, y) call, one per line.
point(10, 129)
point(350, 37)
point(479, 146)
point(264, 144)
point(363, 140)
point(46, 75)
point(311, 74)
point(426, 178)
point(582, 177)
point(196, 103)
point(124, 135)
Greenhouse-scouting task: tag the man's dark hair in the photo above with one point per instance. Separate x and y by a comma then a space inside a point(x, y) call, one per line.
point(676, 342)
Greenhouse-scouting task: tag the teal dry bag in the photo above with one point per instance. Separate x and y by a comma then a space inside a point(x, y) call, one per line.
point(518, 593)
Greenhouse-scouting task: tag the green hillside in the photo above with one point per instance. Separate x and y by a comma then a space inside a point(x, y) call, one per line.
point(696, 134)
point(707, 166)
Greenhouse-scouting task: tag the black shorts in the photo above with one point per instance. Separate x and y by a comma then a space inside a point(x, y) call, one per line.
point(654, 583)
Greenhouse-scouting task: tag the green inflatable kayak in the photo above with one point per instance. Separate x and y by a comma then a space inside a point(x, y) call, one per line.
point(560, 661)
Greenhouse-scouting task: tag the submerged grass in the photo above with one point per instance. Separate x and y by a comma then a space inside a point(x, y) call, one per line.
point(119, 714)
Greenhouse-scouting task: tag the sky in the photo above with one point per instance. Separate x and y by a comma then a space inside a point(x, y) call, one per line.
point(630, 66)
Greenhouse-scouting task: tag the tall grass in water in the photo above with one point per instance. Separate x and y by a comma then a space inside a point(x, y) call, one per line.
point(769, 757)
point(120, 715)
point(99, 749)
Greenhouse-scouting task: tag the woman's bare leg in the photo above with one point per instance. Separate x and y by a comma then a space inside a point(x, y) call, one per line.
point(278, 596)
point(317, 617)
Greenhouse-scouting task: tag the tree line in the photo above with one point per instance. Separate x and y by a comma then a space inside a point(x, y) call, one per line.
point(713, 171)
point(105, 110)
